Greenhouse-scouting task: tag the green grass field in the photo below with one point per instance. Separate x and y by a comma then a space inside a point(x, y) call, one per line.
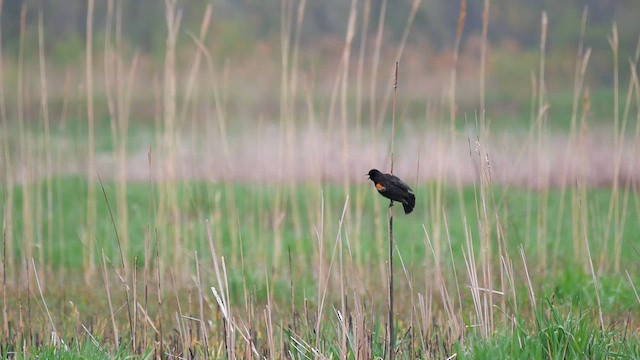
point(273, 261)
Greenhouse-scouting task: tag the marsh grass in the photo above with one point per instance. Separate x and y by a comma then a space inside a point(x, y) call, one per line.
point(171, 265)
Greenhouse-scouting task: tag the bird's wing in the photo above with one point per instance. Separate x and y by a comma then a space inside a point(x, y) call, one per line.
point(394, 180)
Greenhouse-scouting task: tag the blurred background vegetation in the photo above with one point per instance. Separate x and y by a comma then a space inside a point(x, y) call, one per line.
point(245, 42)
point(240, 26)
point(248, 22)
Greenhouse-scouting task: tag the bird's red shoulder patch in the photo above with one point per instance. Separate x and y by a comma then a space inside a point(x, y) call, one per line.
point(379, 187)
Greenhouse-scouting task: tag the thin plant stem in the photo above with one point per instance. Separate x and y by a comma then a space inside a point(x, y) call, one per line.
point(391, 245)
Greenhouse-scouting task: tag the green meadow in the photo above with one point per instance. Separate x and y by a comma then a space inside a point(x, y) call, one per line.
point(335, 245)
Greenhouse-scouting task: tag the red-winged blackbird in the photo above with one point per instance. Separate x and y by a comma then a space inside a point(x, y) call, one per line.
point(393, 188)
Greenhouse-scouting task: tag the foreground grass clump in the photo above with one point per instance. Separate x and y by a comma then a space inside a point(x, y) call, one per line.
point(556, 332)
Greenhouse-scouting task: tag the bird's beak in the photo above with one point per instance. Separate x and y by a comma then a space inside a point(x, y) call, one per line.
point(367, 175)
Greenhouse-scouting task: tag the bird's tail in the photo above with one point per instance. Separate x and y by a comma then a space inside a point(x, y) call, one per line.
point(409, 203)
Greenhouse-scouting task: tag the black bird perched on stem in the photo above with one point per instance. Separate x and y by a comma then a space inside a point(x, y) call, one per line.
point(394, 189)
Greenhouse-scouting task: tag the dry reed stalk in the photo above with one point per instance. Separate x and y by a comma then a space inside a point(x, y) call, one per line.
point(219, 105)
point(123, 277)
point(24, 148)
point(582, 59)
point(507, 266)
point(55, 337)
point(483, 55)
point(28, 338)
point(578, 245)
point(344, 122)
point(474, 286)
point(409, 278)
point(375, 62)
point(321, 275)
point(134, 299)
point(483, 198)
point(362, 348)
point(291, 116)
point(222, 294)
point(5, 314)
point(284, 122)
point(582, 194)
point(636, 138)
point(391, 309)
point(344, 87)
point(459, 331)
point(415, 5)
point(58, 166)
point(451, 98)
point(151, 212)
point(359, 109)
point(426, 315)
point(183, 330)
point(44, 104)
point(195, 65)
point(618, 142)
point(268, 318)
point(322, 291)
point(105, 277)
point(203, 323)
point(190, 100)
point(362, 51)
point(119, 87)
point(633, 287)
point(619, 219)
point(342, 313)
point(343, 296)
point(541, 137)
point(462, 14)
point(8, 181)
point(91, 162)
point(532, 295)
point(248, 306)
point(159, 334)
point(169, 196)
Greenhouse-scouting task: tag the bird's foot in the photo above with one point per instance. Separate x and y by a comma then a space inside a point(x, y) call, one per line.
point(391, 204)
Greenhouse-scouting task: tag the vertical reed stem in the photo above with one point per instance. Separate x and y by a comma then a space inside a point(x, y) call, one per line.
point(91, 166)
point(391, 245)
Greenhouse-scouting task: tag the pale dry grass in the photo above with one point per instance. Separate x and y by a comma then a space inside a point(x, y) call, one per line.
point(318, 155)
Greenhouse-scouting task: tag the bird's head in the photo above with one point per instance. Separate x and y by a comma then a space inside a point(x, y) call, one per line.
point(373, 173)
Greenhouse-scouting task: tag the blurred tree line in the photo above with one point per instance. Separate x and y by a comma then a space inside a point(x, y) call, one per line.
point(238, 24)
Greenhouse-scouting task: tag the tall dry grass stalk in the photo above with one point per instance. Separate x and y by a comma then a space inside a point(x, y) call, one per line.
point(391, 315)
point(8, 187)
point(619, 223)
point(582, 60)
point(89, 237)
point(375, 64)
point(541, 135)
point(360, 193)
point(618, 138)
point(452, 113)
point(582, 197)
point(5, 316)
point(47, 242)
point(169, 211)
point(119, 87)
point(388, 94)
point(483, 55)
point(25, 150)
